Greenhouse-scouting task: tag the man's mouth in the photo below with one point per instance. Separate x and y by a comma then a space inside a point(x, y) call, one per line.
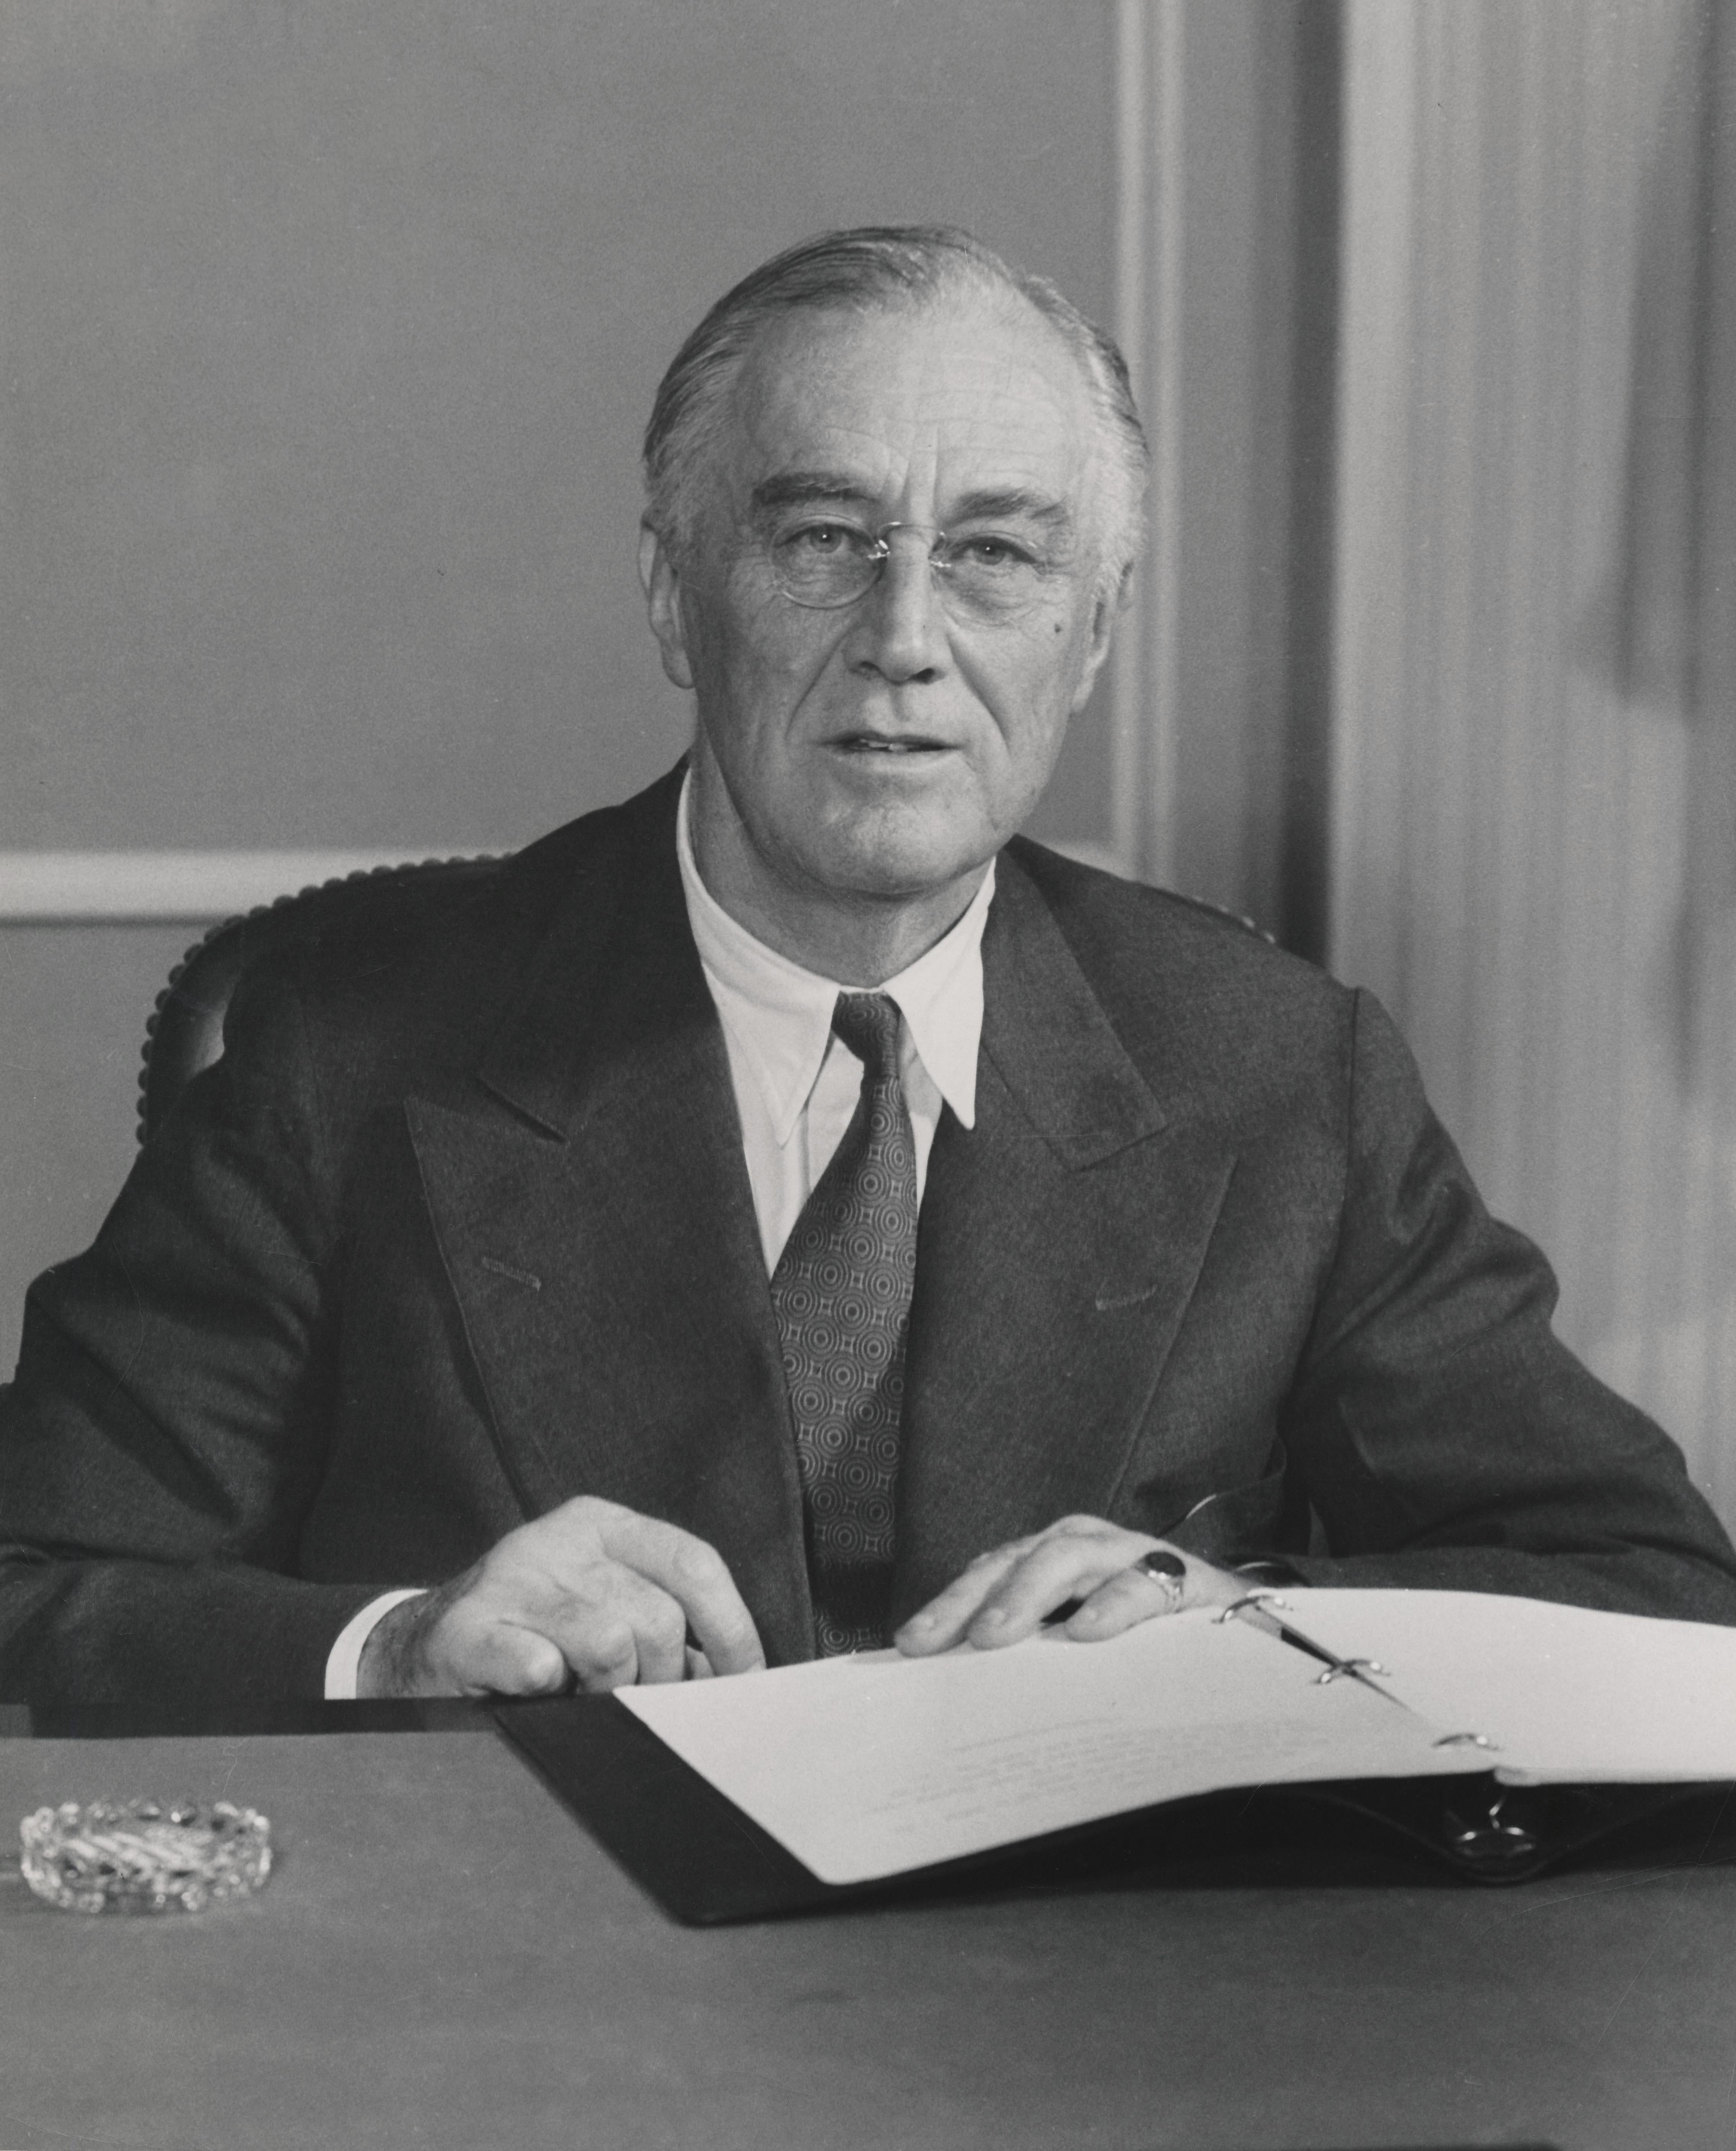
point(878, 743)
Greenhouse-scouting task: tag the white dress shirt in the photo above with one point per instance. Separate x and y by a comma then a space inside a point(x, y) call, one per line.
point(796, 1086)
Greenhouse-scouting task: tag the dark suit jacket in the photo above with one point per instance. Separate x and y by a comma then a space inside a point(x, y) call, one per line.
point(460, 1226)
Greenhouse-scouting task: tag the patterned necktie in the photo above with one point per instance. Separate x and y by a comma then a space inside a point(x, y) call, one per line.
point(842, 1292)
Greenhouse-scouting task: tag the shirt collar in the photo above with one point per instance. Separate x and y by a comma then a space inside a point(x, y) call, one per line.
point(780, 1015)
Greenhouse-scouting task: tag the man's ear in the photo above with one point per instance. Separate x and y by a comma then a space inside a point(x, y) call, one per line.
point(661, 586)
point(1109, 607)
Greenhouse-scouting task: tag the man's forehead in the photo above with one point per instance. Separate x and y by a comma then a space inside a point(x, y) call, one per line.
point(983, 385)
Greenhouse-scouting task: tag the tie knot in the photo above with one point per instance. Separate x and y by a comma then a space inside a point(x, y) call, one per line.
point(868, 1025)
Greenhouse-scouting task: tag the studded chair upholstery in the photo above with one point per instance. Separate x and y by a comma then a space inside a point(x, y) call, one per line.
point(184, 1035)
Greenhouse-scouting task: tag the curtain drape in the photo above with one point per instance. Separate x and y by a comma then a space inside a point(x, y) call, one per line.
point(1534, 708)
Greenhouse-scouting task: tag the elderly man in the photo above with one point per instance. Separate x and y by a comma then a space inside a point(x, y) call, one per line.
point(788, 1211)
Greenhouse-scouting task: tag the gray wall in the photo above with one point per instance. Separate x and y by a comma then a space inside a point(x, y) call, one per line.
point(328, 333)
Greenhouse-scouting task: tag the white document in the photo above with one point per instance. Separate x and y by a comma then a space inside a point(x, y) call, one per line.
point(1560, 1694)
point(873, 1765)
point(868, 1766)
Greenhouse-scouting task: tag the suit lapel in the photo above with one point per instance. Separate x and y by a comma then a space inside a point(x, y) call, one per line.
point(601, 1243)
point(594, 1214)
point(1059, 1246)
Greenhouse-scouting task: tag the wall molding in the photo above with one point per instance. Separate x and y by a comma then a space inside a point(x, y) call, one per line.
point(1149, 203)
point(195, 888)
point(163, 888)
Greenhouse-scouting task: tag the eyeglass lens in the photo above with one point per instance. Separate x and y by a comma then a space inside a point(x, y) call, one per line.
point(825, 566)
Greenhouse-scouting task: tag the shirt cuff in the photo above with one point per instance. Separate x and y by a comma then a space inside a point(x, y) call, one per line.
point(1271, 1571)
point(344, 1661)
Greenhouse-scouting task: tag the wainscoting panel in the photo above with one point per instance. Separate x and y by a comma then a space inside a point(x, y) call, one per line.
point(75, 1000)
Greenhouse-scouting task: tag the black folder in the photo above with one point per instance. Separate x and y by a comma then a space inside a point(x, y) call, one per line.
point(705, 1862)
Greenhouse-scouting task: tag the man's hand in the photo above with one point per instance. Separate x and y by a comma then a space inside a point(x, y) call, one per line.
point(591, 1596)
point(1004, 1596)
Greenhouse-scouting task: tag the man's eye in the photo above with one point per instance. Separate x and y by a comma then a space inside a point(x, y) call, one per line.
point(992, 552)
point(822, 541)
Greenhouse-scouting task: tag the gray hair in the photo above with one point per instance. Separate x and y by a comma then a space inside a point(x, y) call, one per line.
point(876, 266)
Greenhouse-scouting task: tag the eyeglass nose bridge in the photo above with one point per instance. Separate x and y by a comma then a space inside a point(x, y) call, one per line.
point(880, 551)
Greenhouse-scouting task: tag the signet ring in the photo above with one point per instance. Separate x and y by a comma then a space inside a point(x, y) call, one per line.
point(1166, 1569)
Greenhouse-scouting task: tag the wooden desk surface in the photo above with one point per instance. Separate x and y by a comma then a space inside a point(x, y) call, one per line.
point(443, 1959)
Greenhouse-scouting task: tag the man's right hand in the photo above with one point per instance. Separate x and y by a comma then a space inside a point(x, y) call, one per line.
point(592, 1596)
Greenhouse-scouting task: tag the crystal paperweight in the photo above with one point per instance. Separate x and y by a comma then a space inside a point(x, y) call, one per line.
point(144, 1855)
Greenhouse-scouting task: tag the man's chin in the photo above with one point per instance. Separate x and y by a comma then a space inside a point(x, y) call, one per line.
point(893, 859)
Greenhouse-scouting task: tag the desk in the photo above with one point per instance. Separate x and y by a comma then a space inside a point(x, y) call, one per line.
point(443, 1960)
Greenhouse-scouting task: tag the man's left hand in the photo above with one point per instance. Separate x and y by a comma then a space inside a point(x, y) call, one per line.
point(1005, 1596)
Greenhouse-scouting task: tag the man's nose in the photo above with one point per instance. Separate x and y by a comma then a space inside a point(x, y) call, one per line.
point(901, 629)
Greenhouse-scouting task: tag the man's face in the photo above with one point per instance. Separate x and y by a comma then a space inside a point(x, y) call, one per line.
point(887, 749)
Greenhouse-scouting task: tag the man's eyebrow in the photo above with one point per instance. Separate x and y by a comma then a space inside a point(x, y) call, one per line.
point(796, 489)
point(791, 489)
point(1013, 503)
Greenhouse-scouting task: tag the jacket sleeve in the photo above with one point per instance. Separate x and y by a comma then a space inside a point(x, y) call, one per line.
point(1443, 1435)
point(167, 1425)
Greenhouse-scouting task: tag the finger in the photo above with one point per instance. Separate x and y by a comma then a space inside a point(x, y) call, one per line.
point(698, 1666)
point(942, 1622)
point(659, 1625)
point(601, 1650)
point(1128, 1597)
point(617, 1632)
point(615, 1629)
point(500, 1657)
point(697, 1578)
point(1068, 1565)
